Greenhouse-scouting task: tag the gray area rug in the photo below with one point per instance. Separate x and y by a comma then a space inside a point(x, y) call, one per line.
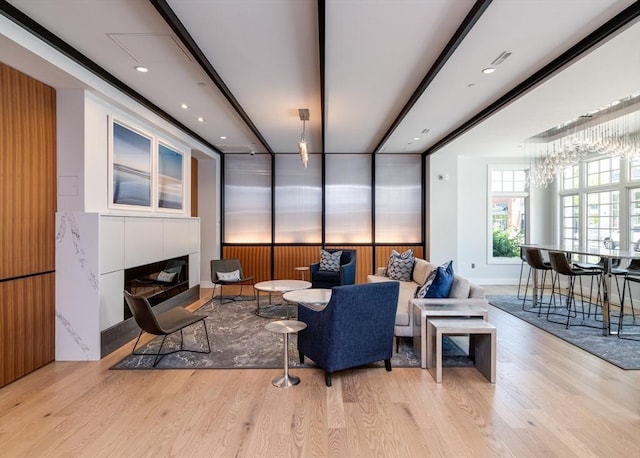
point(239, 340)
point(624, 353)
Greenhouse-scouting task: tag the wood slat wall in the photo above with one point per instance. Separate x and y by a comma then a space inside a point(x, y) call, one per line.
point(255, 260)
point(288, 257)
point(27, 316)
point(27, 223)
point(194, 187)
point(27, 174)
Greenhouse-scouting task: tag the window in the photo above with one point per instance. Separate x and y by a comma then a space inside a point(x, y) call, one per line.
point(603, 218)
point(603, 171)
point(507, 213)
point(571, 177)
point(599, 207)
point(634, 218)
point(570, 233)
point(634, 169)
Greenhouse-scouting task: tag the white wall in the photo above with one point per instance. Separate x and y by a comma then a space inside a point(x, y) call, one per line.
point(95, 242)
point(459, 217)
point(209, 213)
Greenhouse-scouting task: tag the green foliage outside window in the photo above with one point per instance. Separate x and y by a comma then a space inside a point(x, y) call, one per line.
point(506, 245)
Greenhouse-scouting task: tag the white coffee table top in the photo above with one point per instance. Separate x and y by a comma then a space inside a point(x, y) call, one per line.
point(281, 286)
point(315, 298)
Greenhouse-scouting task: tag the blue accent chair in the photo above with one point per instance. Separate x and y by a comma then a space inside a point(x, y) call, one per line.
point(346, 275)
point(355, 328)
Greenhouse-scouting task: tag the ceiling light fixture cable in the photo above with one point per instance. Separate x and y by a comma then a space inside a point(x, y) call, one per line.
point(302, 145)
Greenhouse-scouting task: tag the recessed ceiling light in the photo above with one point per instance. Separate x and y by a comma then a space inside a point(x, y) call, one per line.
point(141, 69)
point(184, 106)
point(200, 119)
point(416, 138)
point(223, 137)
point(488, 70)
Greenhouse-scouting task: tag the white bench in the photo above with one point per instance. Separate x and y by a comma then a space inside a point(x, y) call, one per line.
point(482, 343)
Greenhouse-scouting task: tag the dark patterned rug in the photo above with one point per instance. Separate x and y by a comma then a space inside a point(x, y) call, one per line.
point(239, 340)
point(624, 353)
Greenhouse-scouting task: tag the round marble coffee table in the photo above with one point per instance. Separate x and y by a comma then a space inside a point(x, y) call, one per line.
point(285, 327)
point(280, 287)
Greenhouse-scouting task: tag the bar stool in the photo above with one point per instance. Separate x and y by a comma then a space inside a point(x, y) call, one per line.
point(561, 266)
point(523, 260)
point(533, 257)
point(632, 276)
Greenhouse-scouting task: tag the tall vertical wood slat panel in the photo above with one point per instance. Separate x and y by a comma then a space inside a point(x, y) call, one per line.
point(27, 314)
point(27, 223)
point(194, 187)
point(27, 174)
point(290, 256)
point(255, 260)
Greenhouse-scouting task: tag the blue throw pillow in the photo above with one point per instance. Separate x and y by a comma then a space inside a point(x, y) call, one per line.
point(441, 286)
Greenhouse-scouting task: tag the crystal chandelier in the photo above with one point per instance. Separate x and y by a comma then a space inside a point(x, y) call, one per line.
point(619, 136)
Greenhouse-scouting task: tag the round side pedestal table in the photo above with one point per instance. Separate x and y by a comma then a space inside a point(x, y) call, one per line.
point(285, 327)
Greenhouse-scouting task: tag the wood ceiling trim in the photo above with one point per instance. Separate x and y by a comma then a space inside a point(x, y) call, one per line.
point(465, 27)
point(24, 21)
point(187, 40)
point(615, 24)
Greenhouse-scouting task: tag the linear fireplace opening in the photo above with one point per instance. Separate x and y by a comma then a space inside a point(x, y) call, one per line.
point(158, 281)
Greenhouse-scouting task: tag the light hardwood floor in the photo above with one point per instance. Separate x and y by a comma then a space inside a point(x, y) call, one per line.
point(550, 399)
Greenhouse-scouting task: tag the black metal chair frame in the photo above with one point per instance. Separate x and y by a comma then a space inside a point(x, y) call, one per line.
point(632, 276)
point(560, 265)
point(228, 265)
point(175, 319)
point(533, 258)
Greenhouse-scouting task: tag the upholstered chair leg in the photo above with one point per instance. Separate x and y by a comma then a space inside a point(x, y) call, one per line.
point(327, 378)
point(301, 358)
point(387, 365)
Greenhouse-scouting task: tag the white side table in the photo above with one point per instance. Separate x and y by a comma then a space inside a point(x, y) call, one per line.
point(423, 312)
point(302, 270)
point(285, 327)
point(483, 343)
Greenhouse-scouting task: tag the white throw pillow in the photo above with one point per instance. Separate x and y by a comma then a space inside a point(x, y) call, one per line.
point(166, 277)
point(229, 276)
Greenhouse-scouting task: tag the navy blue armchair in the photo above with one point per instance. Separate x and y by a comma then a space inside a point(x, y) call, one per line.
point(327, 279)
point(355, 328)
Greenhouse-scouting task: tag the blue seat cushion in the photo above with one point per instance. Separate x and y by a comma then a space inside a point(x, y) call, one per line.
point(325, 276)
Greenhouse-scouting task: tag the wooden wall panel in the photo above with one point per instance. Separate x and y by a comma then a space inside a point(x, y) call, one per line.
point(383, 252)
point(27, 224)
point(288, 257)
point(27, 174)
point(194, 187)
point(27, 325)
point(255, 260)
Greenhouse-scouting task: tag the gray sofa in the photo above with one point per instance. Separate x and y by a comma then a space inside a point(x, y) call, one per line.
point(462, 291)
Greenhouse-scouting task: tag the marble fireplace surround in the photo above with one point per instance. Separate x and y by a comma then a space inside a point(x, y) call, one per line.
point(92, 252)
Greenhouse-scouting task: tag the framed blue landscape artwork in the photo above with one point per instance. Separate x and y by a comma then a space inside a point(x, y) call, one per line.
point(170, 178)
point(130, 167)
